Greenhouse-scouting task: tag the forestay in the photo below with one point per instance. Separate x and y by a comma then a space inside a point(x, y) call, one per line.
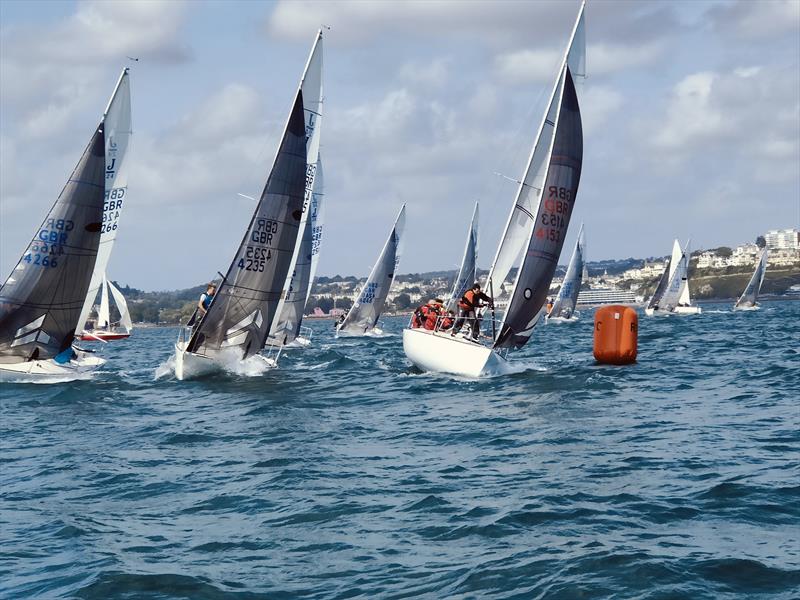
point(245, 304)
point(564, 305)
point(117, 129)
point(41, 301)
point(365, 312)
point(286, 325)
point(467, 274)
point(749, 297)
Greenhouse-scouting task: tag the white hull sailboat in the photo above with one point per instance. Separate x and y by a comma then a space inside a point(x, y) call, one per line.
point(104, 329)
point(362, 318)
point(672, 293)
point(563, 309)
point(749, 298)
point(532, 240)
point(237, 323)
point(41, 302)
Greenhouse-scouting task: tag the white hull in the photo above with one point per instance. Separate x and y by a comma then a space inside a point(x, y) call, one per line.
point(374, 332)
point(678, 310)
point(441, 353)
point(747, 308)
point(299, 342)
point(191, 366)
point(573, 319)
point(42, 371)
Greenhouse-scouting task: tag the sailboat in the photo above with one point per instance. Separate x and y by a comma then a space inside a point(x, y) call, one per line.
point(118, 132)
point(362, 318)
point(468, 273)
point(749, 298)
point(238, 320)
point(533, 237)
point(672, 293)
point(42, 300)
point(563, 310)
point(104, 329)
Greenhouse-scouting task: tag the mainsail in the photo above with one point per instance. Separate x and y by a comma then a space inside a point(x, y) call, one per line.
point(368, 307)
point(749, 297)
point(286, 325)
point(678, 285)
point(655, 301)
point(567, 297)
point(246, 302)
point(467, 274)
point(317, 216)
point(117, 127)
point(41, 300)
point(104, 313)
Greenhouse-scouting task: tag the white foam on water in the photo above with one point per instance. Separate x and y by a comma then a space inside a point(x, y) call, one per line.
point(165, 368)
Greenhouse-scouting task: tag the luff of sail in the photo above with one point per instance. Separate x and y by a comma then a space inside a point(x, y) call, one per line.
point(286, 325)
point(550, 222)
point(369, 305)
point(118, 131)
point(661, 287)
point(245, 304)
point(467, 274)
point(564, 305)
point(317, 216)
point(41, 301)
point(521, 220)
point(749, 297)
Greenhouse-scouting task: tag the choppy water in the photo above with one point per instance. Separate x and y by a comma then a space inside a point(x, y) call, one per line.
point(347, 474)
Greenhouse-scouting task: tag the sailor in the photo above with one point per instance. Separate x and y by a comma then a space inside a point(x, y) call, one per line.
point(549, 305)
point(446, 321)
point(468, 309)
point(435, 309)
point(205, 299)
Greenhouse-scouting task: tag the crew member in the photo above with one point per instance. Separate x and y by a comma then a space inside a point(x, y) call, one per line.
point(468, 309)
point(205, 300)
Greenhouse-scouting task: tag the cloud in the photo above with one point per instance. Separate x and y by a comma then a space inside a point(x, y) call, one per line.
point(524, 66)
point(754, 21)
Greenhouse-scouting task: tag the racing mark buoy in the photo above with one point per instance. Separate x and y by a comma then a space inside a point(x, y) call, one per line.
point(616, 335)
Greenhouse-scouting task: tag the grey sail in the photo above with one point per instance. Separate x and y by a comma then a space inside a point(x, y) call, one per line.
point(286, 326)
point(550, 223)
point(467, 274)
point(245, 304)
point(41, 301)
point(564, 305)
point(369, 305)
point(749, 297)
point(661, 287)
point(317, 227)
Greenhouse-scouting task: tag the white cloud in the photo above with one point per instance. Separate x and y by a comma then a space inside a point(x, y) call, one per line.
point(598, 104)
point(606, 58)
point(751, 20)
point(525, 66)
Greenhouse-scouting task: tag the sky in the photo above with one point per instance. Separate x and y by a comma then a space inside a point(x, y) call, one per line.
point(691, 114)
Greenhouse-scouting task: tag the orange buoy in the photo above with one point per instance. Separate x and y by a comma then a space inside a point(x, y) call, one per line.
point(616, 335)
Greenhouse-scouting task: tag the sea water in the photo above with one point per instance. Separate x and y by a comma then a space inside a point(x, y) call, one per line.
point(346, 473)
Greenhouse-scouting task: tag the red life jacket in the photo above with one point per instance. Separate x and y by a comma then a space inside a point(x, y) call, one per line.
point(467, 300)
point(433, 314)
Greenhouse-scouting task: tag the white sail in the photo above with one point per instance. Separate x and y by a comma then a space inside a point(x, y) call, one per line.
point(295, 291)
point(367, 308)
point(117, 126)
point(468, 273)
point(564, 305)
point(104, 314)
point(677, 283)
point(122, 306)
point(317, 216)
point(749, 297)
point(521, 220)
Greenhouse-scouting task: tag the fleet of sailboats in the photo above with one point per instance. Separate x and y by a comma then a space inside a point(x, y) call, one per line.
point(46, 303)
point(672, 295)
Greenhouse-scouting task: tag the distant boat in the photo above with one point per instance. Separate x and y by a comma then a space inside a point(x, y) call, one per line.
point(42, 300)
point(749, 298)
point(118, 132)
point(240, 316)
point(468, 272)
point(672, 293)
point(286, 328)
point(535, 232)
point(104, 330)
point(563, 309)
point(362, 318)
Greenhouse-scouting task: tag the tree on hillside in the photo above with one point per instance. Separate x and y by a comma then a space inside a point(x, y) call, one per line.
point(402, 301)
point(723, 251)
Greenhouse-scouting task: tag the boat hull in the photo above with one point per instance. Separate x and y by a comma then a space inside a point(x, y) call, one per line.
point(573, 319)
point(105, 336)
point(678, 310)
point(441, 353)
point(190, 366)
point(747, 308)
point(373, 332)
point(42, 370)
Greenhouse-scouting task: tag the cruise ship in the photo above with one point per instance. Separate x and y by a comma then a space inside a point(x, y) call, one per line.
point(607, 295)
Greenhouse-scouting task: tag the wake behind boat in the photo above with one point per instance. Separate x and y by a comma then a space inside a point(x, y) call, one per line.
point(535, 230)
point(362, 318)
point(237, 322)
point(42, 300)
